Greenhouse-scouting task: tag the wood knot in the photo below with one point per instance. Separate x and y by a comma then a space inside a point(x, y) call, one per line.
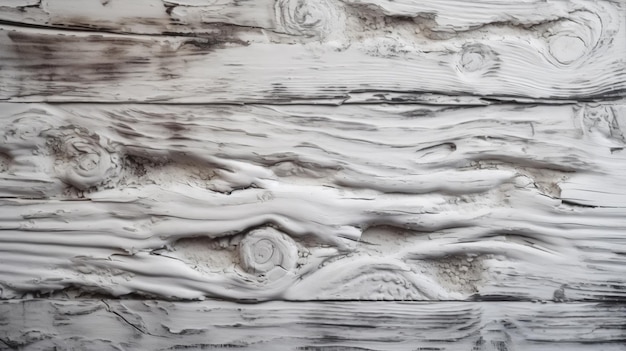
point(268, 252)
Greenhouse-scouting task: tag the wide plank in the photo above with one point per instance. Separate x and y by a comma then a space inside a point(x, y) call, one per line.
point(159, 325)
point(291, 202)
point(297, 51)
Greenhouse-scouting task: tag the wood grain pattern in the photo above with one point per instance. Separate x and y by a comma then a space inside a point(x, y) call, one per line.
point(157, 325)
point(296, 162)
point(182, 17)
point(432, 202)
point(330, 51)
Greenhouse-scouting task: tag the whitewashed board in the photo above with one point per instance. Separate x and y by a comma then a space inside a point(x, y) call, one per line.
point(296, 50)
point(217, 325)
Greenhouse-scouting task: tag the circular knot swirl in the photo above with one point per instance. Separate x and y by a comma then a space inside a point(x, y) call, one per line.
point(267, 250)
point(311, 18)
point(476, 60)
point(571, 40)
point(87, 160)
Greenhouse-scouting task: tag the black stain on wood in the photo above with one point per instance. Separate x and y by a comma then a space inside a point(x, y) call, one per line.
point(56, 58)
point(48, 59)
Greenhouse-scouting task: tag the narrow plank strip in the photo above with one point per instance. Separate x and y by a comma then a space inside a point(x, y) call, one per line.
point(141, 16)
point(328, 52)
point(158, 325)
point(358, 202)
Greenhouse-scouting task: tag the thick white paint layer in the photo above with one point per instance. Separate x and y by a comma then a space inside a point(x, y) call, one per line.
point(351, 202)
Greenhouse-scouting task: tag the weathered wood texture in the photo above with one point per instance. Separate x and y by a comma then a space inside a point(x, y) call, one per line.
point(156, 325)
point(355, 202)
point(296, 50)
point(468, 153)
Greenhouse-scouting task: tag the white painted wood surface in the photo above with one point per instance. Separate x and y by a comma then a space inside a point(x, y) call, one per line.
point(319, 155)
point(296, 50)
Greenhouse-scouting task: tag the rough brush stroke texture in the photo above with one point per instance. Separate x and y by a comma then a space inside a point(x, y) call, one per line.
point(350, 202)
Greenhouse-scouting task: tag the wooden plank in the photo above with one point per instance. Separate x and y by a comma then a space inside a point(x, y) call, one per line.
point(160, 325)
point(350, 202)
point(327, 51)
point(199, 16)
